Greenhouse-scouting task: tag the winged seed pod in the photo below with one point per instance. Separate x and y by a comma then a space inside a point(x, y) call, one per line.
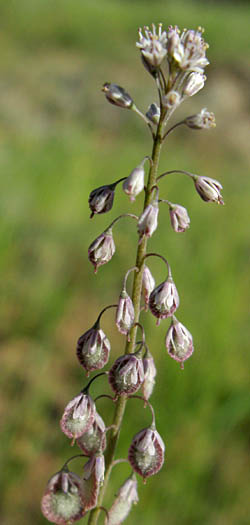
point(117, 95)
point(101, 199)
point(164, 299)
point(125, 498)
point(179, 341)
point(93, 349)
point(180, 220)
point(208, 189)
point(146, 452)
point(63, 501)
point(94, 439)
point(78, 416)
point(127, 374)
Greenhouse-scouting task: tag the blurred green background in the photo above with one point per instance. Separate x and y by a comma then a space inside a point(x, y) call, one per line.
point(59, 139)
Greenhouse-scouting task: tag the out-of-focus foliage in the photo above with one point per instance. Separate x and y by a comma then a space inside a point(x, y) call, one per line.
point(59, 140)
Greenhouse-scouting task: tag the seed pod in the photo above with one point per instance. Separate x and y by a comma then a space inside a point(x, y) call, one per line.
point(179, 341)
point(93, 349)
point(101, 199)
point(126, 497)
point(62, 502)
point(117, 95)
point(78, 416)
point(126, 374)
point(93, 476)
point(146, 452)
point(164, 299)
point(94, 439)
point(102, 249)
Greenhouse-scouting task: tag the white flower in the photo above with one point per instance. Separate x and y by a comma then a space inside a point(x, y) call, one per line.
point(153, 45)
point(188, 49)
point(195, 82)
point(134, 183)
point(202, 120)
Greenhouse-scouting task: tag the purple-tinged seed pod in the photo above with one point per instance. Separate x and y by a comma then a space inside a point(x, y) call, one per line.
point(94, 439)
point(126, 374)
point(101, 199)
point(93, 477)
point(63, 501)
point(78, 416)
point(164, 299)
point(180, 220)
point(148, 284)
point(149, 375)
point(102, 249)
point(146, 452)
point(125, 498)
point(93, 349)
point(179, 342)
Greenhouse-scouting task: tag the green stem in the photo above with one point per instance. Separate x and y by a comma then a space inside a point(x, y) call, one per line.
point(136, 298)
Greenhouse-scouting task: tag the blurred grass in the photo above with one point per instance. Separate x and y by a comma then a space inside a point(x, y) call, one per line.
point(58, 140)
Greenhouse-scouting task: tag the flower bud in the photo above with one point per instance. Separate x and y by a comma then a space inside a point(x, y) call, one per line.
point(94, 439)
point(146, 452)
point(149, 376)
point(208, 189)
point(179, 341)
point(134, 183)
point(126, 374)
point(153, 113)
point(78, 416)
point(127, 495)
point(194, 83)
point(93, 478)
point(102, 249)
point(62, 502)
point(101, 199)
point(117, 95)
point(148, 284)
point(202, 120)
point(180, 220)
point(93, 349)
point(164, 299)
point(148, 220)
point(125, 313)
point(172, 99)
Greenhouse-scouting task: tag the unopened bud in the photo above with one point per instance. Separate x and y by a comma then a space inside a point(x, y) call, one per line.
point(195, 82)
point(164, 299)
point(148, 284)
point(126, 497)
point(126, 374)
point(172, 99)
point(94, 439)
point(146, 452)
point(208, 189)
point(149, 376)
point(180, 220)
point(93, 349)
point(101, 199)
point(102, 249)
point(117, 95)
point(202, 120)
point(134, 183)
point(153, 113)
point(125, 314)
point(148, 220)
point(78, 416)
point(179, 341)
point(63, 502)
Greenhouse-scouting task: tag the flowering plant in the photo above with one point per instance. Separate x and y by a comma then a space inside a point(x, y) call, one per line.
point(176, 61)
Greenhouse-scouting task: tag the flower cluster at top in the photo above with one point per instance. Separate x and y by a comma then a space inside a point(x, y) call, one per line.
point(176, 61)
